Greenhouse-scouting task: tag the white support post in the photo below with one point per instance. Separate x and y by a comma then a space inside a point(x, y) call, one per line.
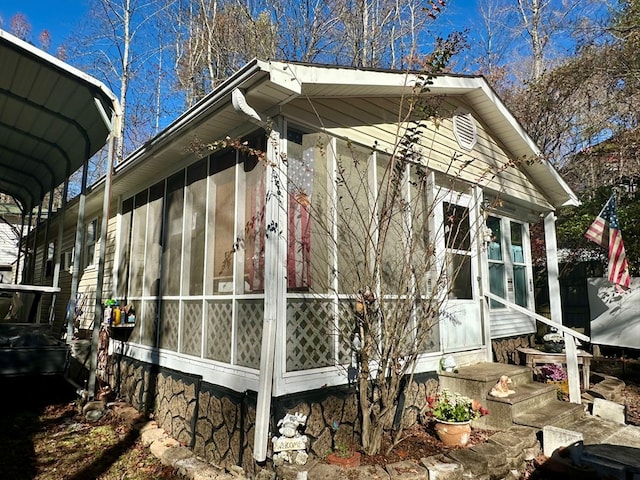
point(573, 374)
point(275, 189)
point(483, 271)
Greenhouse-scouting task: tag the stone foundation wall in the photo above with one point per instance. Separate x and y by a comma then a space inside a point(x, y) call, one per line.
point(218, 424)
point(505, 349)
point(333, 414)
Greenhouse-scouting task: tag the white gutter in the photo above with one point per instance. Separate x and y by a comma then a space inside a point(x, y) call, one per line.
point(273, 287)
point(199, 112)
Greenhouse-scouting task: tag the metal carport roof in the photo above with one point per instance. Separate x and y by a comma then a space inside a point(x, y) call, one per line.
point(53, 117)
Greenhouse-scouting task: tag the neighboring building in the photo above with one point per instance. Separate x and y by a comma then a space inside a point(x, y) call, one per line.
point(189, 244)
point(10, 222)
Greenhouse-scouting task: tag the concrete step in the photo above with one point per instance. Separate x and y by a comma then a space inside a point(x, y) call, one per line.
point(556, 413)
point(528, 397)
point(592, 447)
point(475, 381)
point(503, 411)
point(597, 430)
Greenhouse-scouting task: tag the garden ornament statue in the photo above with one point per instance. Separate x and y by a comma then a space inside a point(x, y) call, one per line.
point(291, 445)
point(501, 389)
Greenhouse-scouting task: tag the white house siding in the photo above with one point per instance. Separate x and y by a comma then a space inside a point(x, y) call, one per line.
point(510, 324)
point(8, 245)
point(358, 119)
point(490, 165)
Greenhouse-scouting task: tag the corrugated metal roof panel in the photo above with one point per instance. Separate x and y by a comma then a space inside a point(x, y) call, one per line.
point(49, 120)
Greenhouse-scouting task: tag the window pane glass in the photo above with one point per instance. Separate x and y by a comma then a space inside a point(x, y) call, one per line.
point(138, 235)
point(354, 217)
point(393, 223)
point(254, 218)
point(195, 215)
point(495, 245)
point(496, 282)
point(422, 246)
point(222, 207)
point(154, 241)
point(125, 239)
point(496, 265)
point(460, 271)
point(309, 231)
point(90, 242)
point(517, 253)
point(520, 285)
point(457, 231)
point(519, 270)
point(171, 257)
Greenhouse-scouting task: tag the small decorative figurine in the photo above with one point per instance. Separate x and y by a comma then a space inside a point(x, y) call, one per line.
point(501, 389)
point(290, 446)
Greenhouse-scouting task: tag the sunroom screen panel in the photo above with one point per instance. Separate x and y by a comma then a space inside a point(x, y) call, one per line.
point(218, 341)
point(249, 332)
point(310, 335)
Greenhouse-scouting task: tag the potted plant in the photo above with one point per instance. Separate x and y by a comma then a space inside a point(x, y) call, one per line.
point(344, 455)
point(453, 414)
point(555, 374)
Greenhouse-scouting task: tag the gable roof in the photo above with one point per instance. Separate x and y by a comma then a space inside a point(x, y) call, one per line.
point(268, 86)
point(53, 118)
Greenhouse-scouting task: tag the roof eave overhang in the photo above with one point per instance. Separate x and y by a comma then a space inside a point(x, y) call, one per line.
point(271, 84)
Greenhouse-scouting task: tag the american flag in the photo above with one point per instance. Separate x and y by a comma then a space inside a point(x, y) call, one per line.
point(605, 231)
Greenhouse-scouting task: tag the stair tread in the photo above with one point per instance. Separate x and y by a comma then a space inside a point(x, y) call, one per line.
point(524, 392)
point(551, 413)
point(596, 430)
point(487, 372)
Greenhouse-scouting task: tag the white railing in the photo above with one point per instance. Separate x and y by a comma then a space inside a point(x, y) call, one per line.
point(570, 336)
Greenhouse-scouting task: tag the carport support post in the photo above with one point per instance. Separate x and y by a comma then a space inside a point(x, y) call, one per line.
point(58, 250)
point(16, 276)
point(71, 308)
point(98, 311)
point(555, 305)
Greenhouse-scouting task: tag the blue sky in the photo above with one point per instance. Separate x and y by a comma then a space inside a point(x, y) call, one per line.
point(61, 16)
point(58, 16)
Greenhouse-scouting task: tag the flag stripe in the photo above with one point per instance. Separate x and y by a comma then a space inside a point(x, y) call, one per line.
point(605, 231)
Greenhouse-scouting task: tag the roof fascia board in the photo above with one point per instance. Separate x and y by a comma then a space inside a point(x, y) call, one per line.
point(506, 113)
point(294, 76)
point(204, 108)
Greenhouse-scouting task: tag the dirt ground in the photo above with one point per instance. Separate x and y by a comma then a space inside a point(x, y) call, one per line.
point(42, 436)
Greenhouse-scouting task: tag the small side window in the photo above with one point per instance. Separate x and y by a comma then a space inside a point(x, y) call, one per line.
point(91, 239)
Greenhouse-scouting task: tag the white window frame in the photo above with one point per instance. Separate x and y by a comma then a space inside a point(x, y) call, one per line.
point(509, 264)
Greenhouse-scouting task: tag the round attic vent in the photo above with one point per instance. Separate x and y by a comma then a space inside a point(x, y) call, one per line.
point(464, 128)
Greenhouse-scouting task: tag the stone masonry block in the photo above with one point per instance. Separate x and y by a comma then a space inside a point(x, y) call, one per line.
point(555, 437)
point(442, 468)
point(474, 464)
point(609, 410)
point(407, 470)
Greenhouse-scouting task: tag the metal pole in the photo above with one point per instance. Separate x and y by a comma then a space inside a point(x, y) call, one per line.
point(58, 252)
point(17, 274)
point(98, 311)
point(77, 257)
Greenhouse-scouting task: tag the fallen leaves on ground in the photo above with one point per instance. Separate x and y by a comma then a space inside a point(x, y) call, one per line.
point(42, 441)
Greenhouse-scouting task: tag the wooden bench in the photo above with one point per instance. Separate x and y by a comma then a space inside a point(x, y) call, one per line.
point(534, 357)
